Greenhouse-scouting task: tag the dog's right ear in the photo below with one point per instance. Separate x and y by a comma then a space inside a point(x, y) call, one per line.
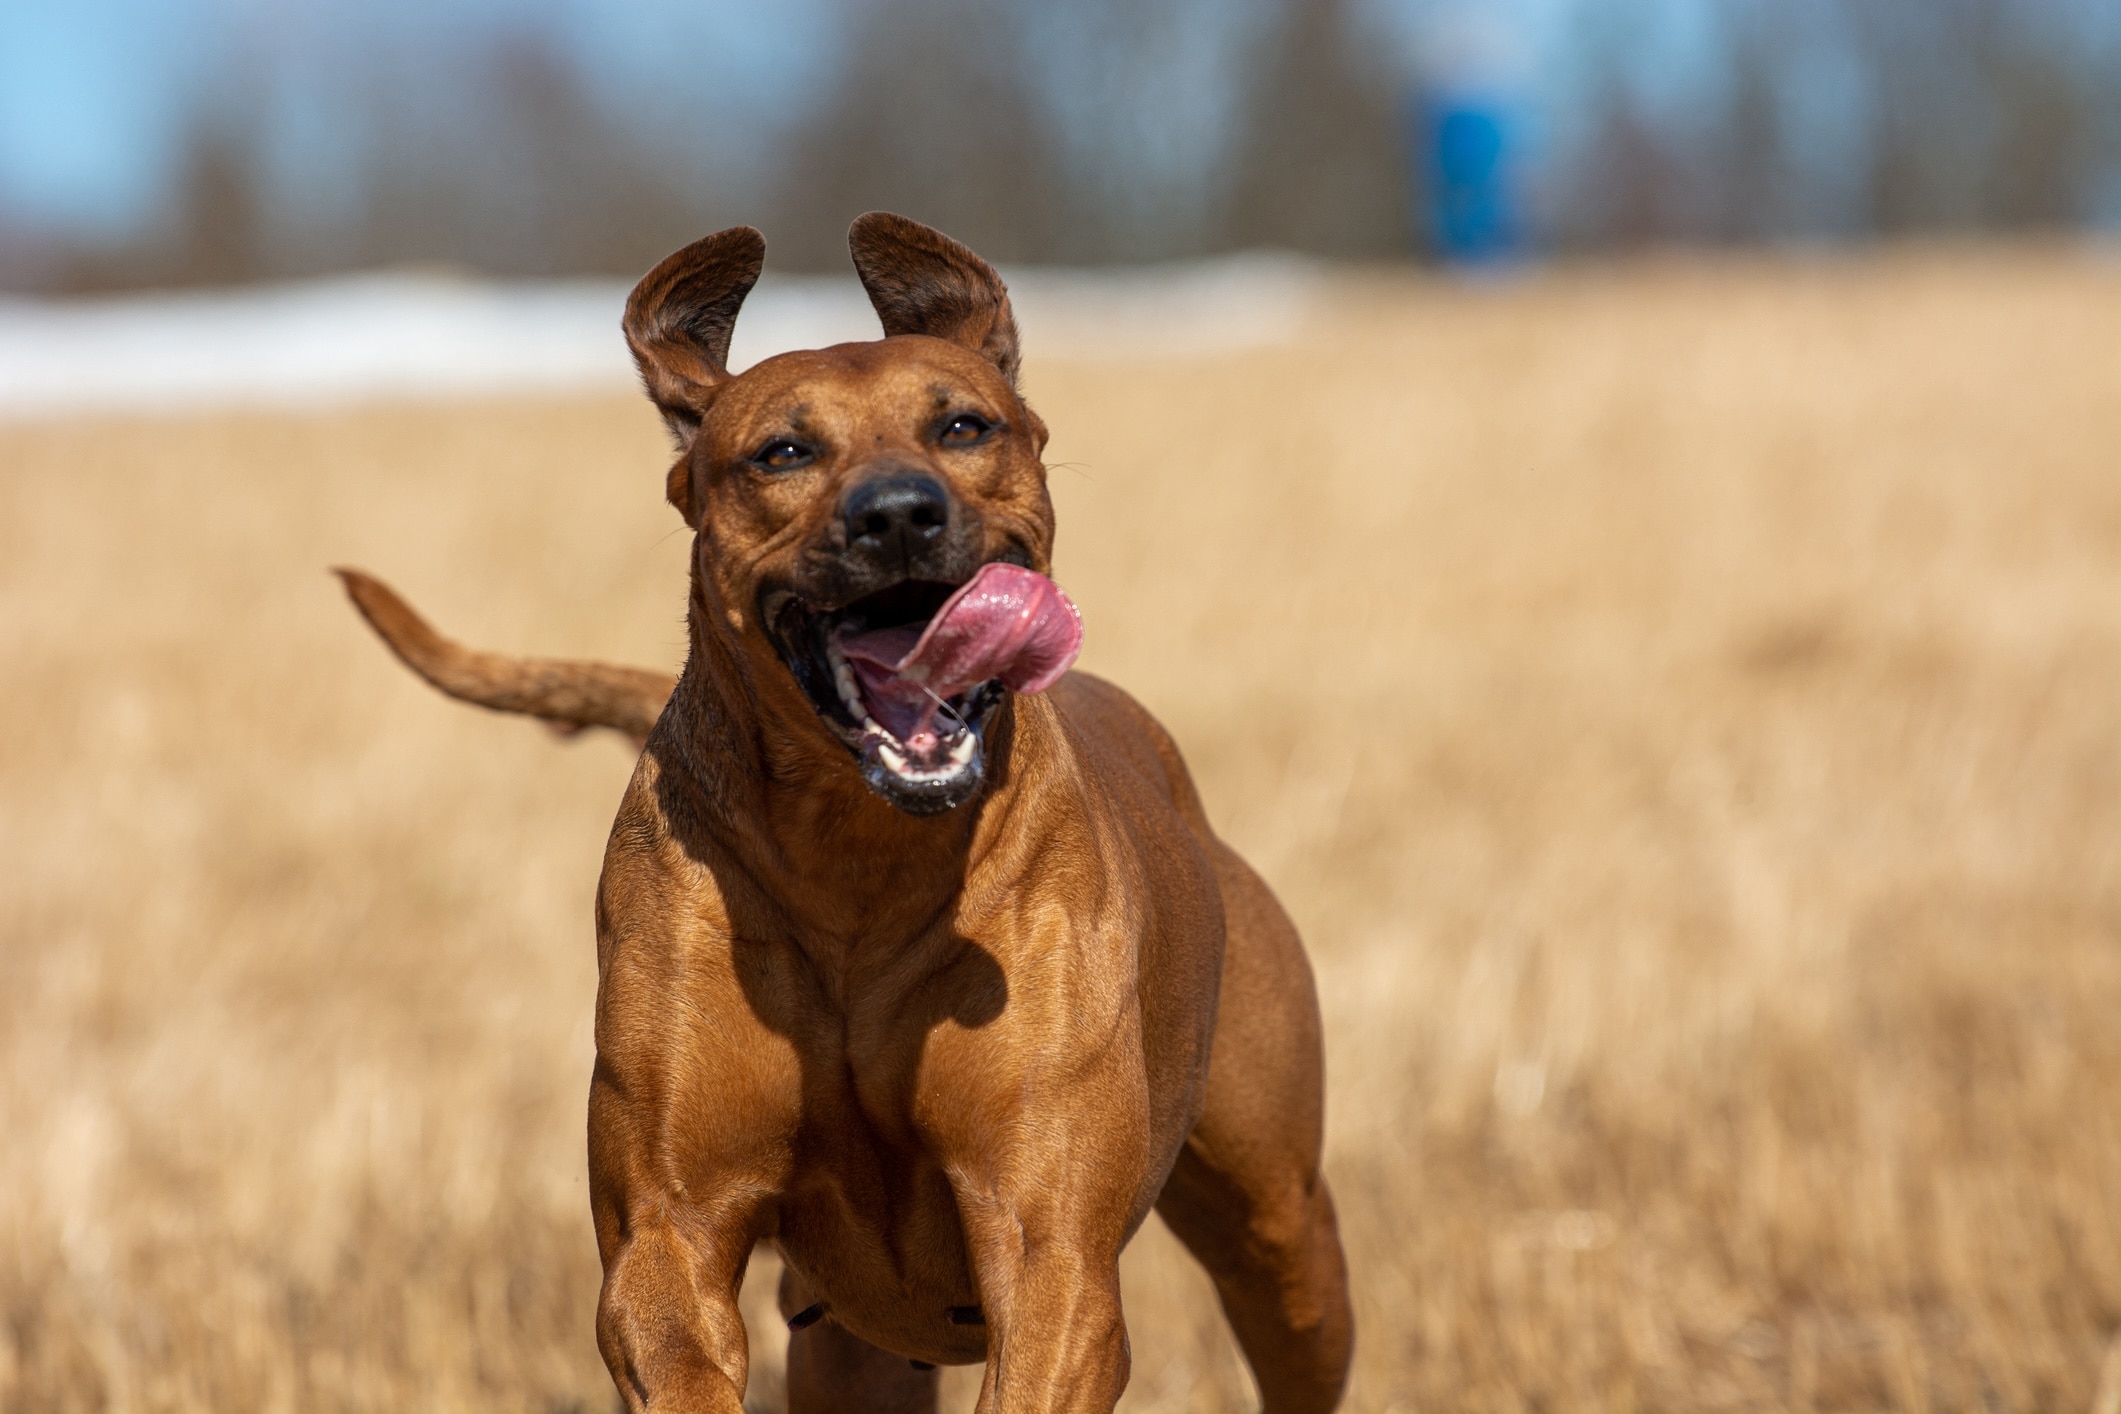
point(679, 319)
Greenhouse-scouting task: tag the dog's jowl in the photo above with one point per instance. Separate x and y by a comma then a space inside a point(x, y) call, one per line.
point(918, 957)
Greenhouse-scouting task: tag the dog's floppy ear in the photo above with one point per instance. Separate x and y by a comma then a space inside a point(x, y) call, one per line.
point(922, 282)
point(679, 319)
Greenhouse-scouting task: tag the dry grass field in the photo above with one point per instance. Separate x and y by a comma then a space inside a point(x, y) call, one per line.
point(1681, 704)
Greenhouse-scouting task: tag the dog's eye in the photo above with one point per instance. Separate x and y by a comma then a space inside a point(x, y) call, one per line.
point(783, 455)
point(965, 429)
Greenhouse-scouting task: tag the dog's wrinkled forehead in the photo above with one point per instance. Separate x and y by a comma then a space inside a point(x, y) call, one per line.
point(852, 395)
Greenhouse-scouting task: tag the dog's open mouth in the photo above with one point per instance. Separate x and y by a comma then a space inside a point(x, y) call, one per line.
point(908, 676)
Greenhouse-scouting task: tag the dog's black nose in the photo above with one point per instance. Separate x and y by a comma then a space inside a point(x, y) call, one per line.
point(896, 517)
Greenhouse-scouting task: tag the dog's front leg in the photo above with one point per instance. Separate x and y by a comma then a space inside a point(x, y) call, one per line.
point(1055, 1337)
point(667, 1322)
point(1046, 1248)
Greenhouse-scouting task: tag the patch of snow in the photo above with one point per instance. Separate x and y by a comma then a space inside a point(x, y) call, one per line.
point(394, 336)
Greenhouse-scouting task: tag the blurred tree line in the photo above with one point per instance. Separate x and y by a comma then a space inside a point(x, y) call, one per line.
point(1131, 130)
point(1842, 118)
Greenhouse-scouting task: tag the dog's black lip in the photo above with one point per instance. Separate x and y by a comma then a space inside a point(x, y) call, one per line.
point(774, 598)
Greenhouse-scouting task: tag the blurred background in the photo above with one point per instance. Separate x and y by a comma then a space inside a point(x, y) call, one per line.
point(1618, 501)
point(147, 142)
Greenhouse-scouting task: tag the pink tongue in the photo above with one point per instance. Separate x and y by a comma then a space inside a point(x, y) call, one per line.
point(1004, 622)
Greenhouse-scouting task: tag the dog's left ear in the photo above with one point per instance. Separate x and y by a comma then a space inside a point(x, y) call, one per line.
point(922, 282)
point(679, 320)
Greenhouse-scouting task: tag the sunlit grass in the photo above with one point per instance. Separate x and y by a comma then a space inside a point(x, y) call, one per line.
point(1682, 705)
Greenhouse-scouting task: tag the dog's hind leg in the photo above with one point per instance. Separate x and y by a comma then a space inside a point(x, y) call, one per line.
point(833, 1371)
point(1246, 1197)
point(1271, 1247)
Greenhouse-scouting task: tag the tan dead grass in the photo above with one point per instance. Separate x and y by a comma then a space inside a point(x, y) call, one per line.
point(1681, 704)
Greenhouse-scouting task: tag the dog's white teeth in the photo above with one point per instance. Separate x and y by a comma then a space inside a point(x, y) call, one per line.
point(959, 757)
point(848, 686)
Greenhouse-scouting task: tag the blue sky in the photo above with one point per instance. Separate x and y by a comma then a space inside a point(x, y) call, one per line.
point(88, 96)
point(96, 95)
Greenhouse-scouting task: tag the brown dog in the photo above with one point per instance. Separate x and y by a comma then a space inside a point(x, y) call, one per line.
point(943, 1031)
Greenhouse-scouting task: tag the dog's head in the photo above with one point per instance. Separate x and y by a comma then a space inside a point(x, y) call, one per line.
point(854, 488)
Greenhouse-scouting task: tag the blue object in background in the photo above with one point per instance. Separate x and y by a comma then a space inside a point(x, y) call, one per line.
point(1465, 145)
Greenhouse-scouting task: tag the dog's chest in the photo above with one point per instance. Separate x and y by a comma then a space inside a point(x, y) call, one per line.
point(887, 1049)
point(869, 1220)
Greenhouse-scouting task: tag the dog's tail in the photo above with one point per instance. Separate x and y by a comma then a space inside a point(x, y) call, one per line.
point(567, 695)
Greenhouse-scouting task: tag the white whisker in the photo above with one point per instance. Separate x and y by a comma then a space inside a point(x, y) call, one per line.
point(952, 711)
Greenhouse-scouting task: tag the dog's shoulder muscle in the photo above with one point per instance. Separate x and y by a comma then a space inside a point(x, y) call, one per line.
point(1121, 733)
